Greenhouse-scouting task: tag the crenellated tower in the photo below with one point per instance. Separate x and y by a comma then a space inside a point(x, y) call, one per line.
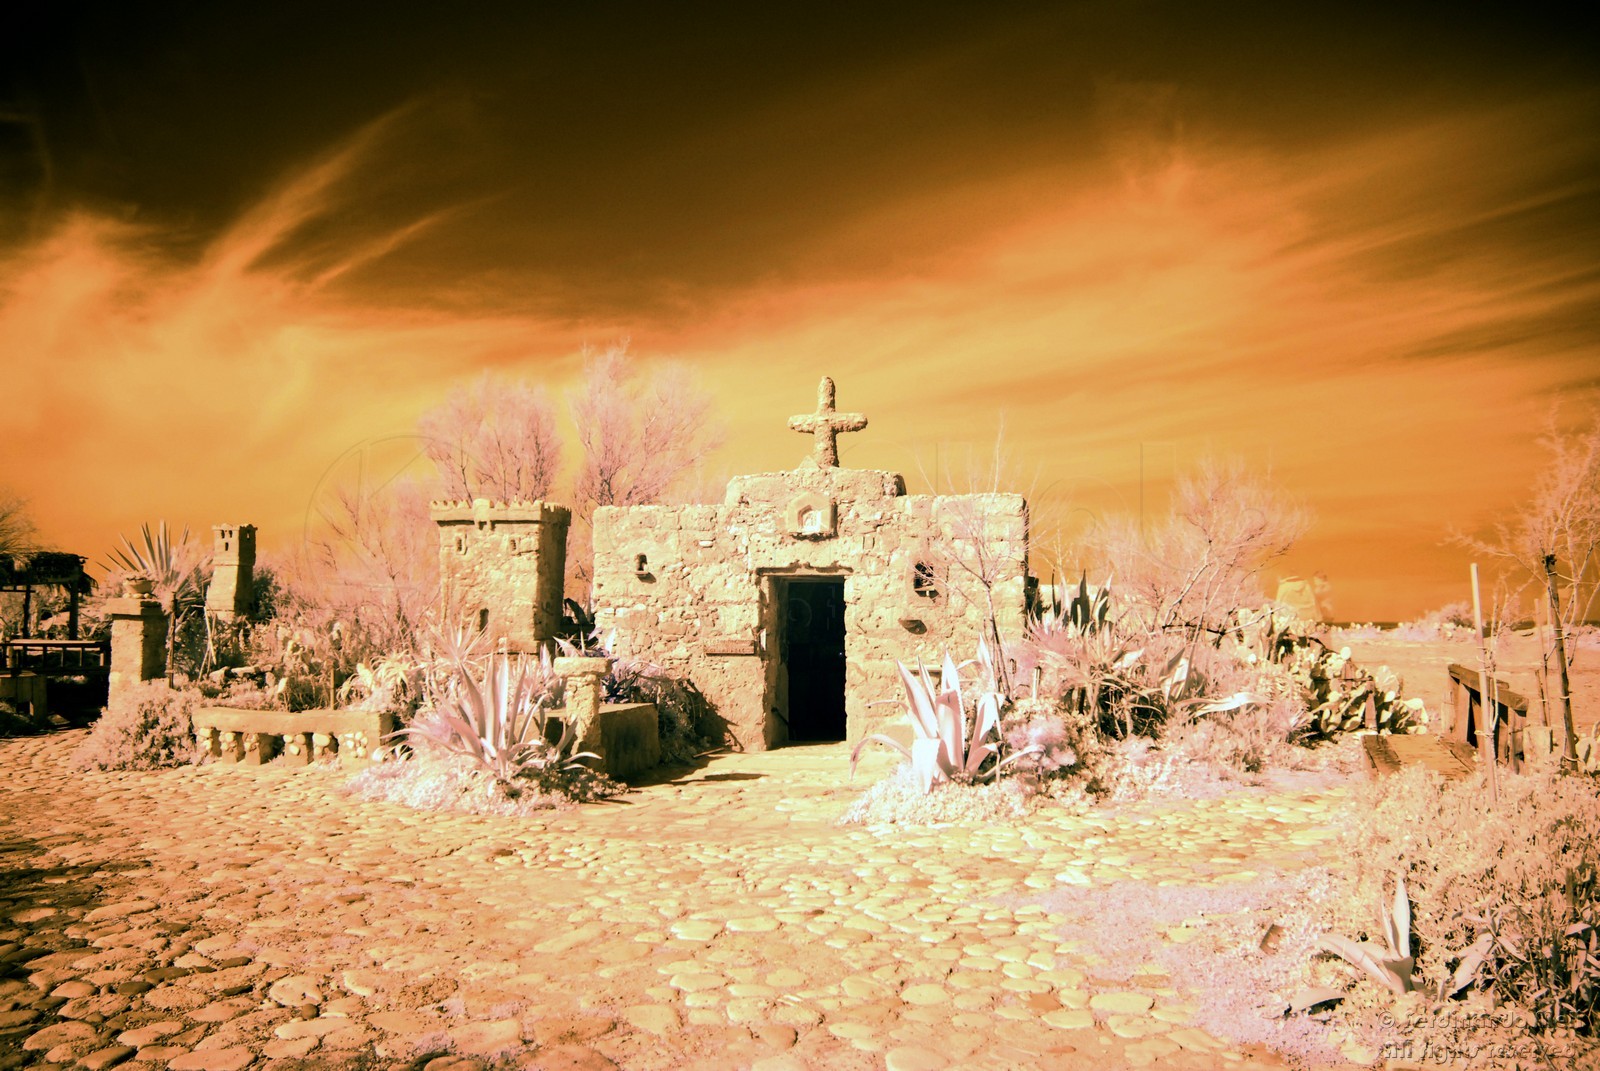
point(233, 565)
point(501, 567)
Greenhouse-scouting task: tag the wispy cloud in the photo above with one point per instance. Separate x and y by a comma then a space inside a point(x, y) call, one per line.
point(1382, 319)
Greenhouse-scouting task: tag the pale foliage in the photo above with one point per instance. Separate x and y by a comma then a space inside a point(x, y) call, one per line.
point(642, 437)
point(1523, 872)
point(146, 727)
point(1561, 517)
point(942, 749)
point(377, 564)
point(1191, 570)
point(496, 439)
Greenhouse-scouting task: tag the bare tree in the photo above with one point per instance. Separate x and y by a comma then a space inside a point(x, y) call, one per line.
point(496, 439)
point(1205, 560)
point(1554, 540)
point(378, 565)
point(17, 534)
point(642, 437)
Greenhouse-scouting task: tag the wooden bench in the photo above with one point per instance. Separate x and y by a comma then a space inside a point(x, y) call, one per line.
point(255, 737)
point(1466, 714)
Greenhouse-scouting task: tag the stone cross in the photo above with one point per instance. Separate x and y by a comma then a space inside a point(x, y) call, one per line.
point(826, 425)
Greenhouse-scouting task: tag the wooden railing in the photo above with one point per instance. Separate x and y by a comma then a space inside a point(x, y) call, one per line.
point(56, 658)
point(1467, 713)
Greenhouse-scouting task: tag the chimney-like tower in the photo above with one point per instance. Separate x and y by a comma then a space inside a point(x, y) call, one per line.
point(233, 561)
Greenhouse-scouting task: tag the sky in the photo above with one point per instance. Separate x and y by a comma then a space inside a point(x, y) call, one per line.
point(1355, 247)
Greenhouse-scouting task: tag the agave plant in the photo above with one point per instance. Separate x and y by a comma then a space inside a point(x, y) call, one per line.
point(393, 682)
point(497, 721)
point(942, 748)
point(1391, 964)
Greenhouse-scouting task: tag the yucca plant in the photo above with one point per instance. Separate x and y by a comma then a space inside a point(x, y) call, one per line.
point(942, 748)
point(1085, 608)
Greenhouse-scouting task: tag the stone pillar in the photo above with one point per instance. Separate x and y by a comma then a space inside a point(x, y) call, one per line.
point(584, 692)
point(233, 564)
point(138, 642)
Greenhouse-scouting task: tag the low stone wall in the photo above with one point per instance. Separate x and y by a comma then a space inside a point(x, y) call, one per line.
point(626, 738)
point(254, 737)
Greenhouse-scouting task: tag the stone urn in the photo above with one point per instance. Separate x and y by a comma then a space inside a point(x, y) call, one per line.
point(138, 586)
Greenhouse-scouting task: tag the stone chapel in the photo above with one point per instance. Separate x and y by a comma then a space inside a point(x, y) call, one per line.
point(787, 604)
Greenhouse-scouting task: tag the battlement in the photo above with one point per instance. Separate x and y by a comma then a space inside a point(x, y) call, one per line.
point(484, 512)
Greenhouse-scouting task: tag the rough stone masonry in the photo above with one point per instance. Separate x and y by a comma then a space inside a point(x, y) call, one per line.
point(789, 603)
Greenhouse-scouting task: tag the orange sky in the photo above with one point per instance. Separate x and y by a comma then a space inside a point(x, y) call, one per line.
point(1370, 265)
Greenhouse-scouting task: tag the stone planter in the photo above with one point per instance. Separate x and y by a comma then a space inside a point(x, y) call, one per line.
point(137, 586)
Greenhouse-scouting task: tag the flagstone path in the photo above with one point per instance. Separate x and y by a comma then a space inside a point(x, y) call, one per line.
point(218, 918)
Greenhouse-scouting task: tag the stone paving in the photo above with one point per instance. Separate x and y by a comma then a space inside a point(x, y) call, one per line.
point(211, 919)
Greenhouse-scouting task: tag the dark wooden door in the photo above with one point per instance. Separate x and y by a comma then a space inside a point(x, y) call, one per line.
point(815, 652)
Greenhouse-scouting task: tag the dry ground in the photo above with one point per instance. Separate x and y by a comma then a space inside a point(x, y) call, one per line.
point(219, 917)
point(224, 918)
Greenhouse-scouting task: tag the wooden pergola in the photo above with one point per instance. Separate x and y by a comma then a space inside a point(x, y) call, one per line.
point(46, 568)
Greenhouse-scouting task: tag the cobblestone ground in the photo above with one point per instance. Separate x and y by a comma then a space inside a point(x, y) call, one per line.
point(223, 918)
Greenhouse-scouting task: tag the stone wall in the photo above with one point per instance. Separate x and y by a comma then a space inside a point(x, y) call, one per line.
point(697, 588)
point(501, 566)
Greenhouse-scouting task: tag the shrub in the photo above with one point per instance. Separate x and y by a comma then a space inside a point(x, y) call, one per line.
point(145, 727)
point(484, 735)
point(1524, 871)
point(942, 748)
point(901, 799)
point(682, 712)
point(1250, 739)
point(436, 781)
point(1338, 694)
point(394, 683)
point(1051, 742)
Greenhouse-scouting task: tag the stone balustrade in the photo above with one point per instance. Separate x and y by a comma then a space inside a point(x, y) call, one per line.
point(623, 737)
point(255, 737)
